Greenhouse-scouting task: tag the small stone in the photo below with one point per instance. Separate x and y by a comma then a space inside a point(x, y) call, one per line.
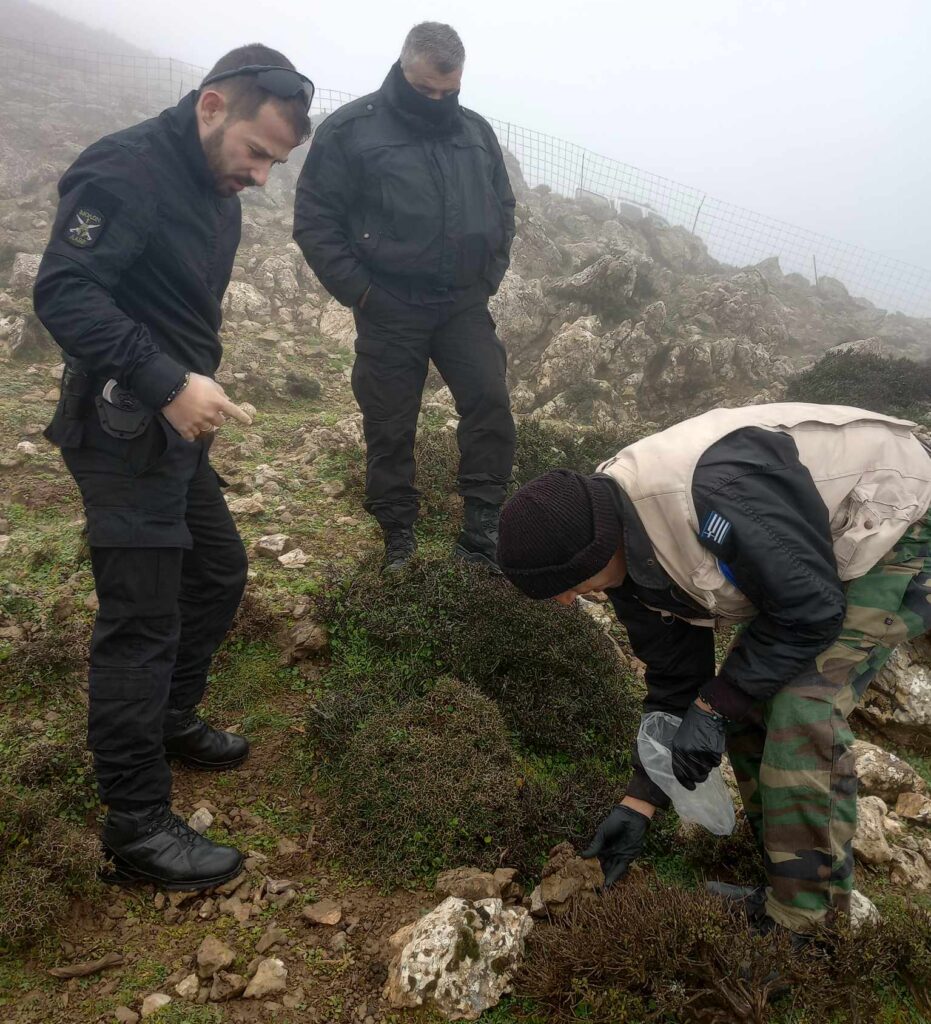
point(160, 900)
point(333, 488)
point(274, 936)
point(275, 886)
point(5, 539)
point(271, 976)
point(295, 559)
point(228, 888)
point(287, 846)
point(467, 884)
point(189, 988)
point(862, 910)
point(92, 602)
point(200, 820)
point(251, 506)
point(293, 999)
point(212, 956)
point(226, 986)
point(249, 409)
point(324, 912)
point(153, 1003)
point(274, 544)
point(339, 941)
point(208, 910)
point(123, 1015)
point(27, 448)
point(869, 841)
point(914, 807)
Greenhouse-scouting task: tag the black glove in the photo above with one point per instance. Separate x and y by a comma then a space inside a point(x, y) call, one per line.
point(697, 746)
point(618, 841)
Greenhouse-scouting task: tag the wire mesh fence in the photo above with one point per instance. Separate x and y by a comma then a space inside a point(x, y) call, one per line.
point(732, 234)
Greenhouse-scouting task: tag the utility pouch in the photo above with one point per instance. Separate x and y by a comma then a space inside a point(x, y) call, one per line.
point(77, 389)
point(121, 414)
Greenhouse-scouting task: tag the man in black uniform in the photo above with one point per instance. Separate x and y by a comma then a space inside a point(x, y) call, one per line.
point(405, 213)
point(130, 287)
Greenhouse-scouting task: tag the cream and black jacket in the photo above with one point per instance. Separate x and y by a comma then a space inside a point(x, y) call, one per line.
point(757, 515)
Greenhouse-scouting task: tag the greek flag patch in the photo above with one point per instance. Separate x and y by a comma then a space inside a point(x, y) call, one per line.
point(715, 528)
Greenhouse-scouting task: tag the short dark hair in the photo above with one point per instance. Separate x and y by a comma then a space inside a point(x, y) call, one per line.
point(436, 43)
point(246, 97)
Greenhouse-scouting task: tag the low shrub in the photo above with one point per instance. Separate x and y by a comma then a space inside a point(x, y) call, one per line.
point(652, 952)
point(897, 387)
point(526, 749)
point(45, 861)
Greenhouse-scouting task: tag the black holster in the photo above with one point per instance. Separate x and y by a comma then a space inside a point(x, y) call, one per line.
point(75, 403)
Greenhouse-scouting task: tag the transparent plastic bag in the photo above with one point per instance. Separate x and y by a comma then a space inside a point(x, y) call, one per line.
point(709, 804)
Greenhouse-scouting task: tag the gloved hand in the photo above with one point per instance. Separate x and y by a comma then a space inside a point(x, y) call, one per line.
point(697, 746)
point(618, 841)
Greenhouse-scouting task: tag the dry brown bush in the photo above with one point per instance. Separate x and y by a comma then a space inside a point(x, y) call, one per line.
point(650, 952)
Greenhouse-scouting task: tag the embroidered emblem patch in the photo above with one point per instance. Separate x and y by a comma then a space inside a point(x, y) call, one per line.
point(85, 227)
point(715, 528)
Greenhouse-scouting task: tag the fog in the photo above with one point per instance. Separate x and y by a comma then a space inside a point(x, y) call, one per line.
point(812, 112)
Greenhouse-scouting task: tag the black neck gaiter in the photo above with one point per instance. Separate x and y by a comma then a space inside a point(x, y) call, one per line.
point(438, 112)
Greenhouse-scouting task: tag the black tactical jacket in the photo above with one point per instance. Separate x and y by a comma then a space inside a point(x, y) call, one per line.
point(141, 252)
point(386, 196)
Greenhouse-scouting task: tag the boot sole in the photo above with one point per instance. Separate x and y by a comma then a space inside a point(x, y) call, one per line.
point(125, 875)
point(476, 558)
point(206, 766)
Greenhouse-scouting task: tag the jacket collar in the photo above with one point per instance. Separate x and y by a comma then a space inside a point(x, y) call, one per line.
point(642, 564)
point(181, 122)
point(419, 125)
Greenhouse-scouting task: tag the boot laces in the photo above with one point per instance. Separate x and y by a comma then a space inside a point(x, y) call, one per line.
point(165, 820)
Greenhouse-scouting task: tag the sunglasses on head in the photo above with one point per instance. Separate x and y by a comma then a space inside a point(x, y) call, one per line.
point(281, 82)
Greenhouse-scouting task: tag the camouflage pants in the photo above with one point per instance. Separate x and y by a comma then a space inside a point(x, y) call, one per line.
point(793, 760)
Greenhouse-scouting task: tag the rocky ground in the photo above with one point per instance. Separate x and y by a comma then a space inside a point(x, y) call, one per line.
point(609, 320)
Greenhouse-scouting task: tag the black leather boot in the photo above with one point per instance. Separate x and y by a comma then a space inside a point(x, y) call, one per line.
point(400, 545)
point(478, 541)
point(194, 743)
point(153, 845)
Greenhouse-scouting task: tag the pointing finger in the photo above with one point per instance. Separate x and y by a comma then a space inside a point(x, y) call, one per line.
point(233, 410)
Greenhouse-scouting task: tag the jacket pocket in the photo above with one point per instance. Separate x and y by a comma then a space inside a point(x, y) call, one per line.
point(864, 530)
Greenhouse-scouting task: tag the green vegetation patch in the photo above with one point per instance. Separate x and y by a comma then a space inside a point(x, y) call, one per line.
point(462, 723)
point(897, 387)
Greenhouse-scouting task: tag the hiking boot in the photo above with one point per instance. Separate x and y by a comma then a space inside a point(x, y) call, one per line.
point(400, 545)
point(153, 845)
point(478, 541)
point(196, 744)
point(751, 899)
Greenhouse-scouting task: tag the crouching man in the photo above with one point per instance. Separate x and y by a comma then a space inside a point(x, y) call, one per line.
point(130, 287)
point(810, 525)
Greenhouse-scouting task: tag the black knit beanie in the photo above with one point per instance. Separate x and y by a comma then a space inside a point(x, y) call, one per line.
point(557, 531)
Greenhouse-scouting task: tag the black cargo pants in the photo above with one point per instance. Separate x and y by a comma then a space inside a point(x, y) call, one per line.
point(170, 570)
point(396, 341)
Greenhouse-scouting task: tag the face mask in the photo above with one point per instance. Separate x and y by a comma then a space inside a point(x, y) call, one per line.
point(434, 111)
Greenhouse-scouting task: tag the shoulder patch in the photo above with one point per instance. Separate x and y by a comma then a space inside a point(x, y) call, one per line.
point(85, 227)
point(715, 528)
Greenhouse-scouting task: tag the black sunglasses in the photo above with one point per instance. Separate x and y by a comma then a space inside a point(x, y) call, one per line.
point(281, 82)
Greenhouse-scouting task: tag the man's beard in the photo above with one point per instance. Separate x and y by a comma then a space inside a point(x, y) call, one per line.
point(213, 152)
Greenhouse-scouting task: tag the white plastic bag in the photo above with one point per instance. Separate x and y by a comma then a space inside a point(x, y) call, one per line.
point(709, 804)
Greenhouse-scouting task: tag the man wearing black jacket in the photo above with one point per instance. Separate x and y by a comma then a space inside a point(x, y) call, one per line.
point(405, 213)
point(130, 287)
point(810, 525)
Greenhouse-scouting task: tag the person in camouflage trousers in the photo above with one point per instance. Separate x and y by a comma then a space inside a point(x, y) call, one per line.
point(806, 526)
point(793, 758)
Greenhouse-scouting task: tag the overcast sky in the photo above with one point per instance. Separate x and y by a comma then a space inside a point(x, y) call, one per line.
point(813, 112)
